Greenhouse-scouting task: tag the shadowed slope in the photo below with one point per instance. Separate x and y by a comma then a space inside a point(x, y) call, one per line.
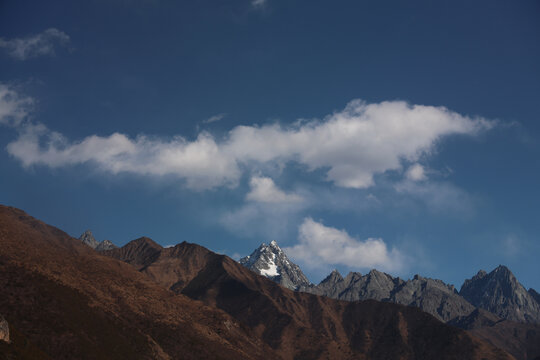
point(73, 303)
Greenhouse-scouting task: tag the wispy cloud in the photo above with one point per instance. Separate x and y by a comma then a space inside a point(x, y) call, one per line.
point(43, 44)
point(14, 109)
point(214, 118)
point(258, 3)
point(320, 245)
point(350, 146)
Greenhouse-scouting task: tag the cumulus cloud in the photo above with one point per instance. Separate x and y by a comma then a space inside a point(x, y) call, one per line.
point(263, 189)
point(199, 162)
point(42, 44)
point(323, 245)
point(14, 109)
point(349, 146)
point(356, 143)
point(416, 172)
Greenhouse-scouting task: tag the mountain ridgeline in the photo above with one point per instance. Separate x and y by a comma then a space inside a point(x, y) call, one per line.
point(498, 292)
point(65, 299)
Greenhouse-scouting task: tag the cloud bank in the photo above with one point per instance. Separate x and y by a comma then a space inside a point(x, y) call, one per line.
point(42, 44)
point(319, 244)
point(351, 146)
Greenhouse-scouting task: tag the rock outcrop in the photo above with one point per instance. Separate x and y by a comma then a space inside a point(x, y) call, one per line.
point(4, 330)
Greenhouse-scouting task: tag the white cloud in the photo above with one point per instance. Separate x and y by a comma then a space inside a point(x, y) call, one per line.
point(356, 143)
point(350, 146)
point(199, 162)
point(322, 245)
point(214, 118)
point(42, 44)
point(263, 189)
point(13, 108)
point(416, 172)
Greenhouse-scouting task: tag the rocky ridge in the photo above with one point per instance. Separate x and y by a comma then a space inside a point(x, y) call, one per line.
point(430, 295)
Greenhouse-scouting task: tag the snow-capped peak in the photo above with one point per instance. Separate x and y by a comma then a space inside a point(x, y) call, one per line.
point(271, 261)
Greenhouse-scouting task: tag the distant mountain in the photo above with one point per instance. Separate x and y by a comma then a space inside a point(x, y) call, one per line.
point(299, 325)
point(87, 238)
point(271, 261)
point(500, 293)
point(432, 296)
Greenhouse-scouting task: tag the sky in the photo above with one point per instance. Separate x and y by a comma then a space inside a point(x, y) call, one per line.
point(401, 136)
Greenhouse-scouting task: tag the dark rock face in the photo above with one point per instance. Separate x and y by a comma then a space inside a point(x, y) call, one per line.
point(432, 296)
point(105, 245)
point(4, 330)
point(499, 292)
point(271, 261)
point(87, 238)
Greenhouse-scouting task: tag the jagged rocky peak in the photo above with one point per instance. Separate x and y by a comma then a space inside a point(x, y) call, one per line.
point(501, 293)
point(87, 238)
point(272, 262)
point(4, 329)
point(105, 245)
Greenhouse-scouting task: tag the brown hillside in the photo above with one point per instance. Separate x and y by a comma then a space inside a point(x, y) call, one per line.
point(73, 303)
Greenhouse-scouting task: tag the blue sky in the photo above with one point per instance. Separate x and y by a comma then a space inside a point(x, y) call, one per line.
point(392, 135)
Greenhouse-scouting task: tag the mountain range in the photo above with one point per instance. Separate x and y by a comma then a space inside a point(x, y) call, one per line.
point(493, 306)
point(64, 300)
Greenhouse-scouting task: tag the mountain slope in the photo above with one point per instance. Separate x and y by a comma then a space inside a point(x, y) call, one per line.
point(305, 326)
point(520, 340)
point(73, 303)
point(501, 293)
point(271, 261)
